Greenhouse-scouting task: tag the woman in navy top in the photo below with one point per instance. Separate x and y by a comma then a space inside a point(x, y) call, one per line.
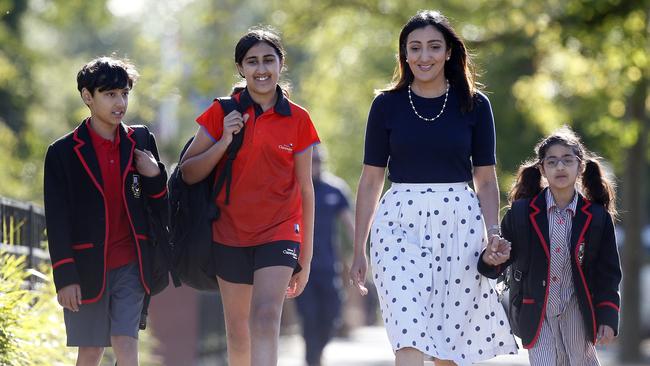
point(435, 132)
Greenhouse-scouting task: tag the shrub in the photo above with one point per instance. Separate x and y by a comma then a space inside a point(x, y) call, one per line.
point(32, 330)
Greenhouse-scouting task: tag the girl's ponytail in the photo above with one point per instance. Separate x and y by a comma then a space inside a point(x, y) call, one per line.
point(528, 182)
point(597, 187)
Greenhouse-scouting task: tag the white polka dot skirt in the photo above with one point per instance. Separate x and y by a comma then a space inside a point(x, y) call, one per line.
point(424, 246)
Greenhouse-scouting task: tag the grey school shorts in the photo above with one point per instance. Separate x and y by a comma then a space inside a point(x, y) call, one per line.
point(117, 313)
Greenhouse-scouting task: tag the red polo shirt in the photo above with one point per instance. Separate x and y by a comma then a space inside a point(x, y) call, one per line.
point(120, 246)
point(265, 198)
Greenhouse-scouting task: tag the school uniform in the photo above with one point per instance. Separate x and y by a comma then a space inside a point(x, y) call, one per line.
point(265, 207)
point(571, 285)
point(78, 211)
point(428, 230)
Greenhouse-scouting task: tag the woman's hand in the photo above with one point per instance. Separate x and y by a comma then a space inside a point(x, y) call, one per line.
point(497, 251)
point(358, 273)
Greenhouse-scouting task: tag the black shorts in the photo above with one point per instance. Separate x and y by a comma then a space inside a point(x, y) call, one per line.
point(238, 264)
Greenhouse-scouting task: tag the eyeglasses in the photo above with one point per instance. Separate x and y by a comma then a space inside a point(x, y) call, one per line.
point(567, 161)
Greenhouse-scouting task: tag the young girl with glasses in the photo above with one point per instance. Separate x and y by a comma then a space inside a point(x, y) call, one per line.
point(568, 299)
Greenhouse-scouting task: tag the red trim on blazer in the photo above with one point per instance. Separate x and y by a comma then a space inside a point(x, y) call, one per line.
point(608, 303)
point(62, 262)
point(581, 239)
point(548, 272)
point(128, 213)
point(528, 301)
point(158, 195)
point(81, 143)
point(83, 246)
point(141, 236)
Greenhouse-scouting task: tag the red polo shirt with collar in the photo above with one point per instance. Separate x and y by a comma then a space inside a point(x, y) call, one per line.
point(265, 197)
point(120, 246)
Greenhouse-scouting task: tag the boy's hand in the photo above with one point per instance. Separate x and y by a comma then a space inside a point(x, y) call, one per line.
point(70, 297)
point(145, 163)
point(497, 251)
point(605, 335)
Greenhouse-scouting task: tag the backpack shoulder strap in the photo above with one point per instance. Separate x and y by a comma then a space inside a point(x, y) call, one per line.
point(519, 267)
point(141, 135)
point(228, 104)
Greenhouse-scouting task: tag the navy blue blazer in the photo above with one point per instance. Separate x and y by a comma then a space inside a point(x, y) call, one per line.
point(75, 210)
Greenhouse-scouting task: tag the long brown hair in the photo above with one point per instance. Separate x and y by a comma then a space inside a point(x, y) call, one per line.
point(595, 184)
point(458, 69)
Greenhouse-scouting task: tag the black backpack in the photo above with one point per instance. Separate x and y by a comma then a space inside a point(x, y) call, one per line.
point(161, 265)
point(192, 211)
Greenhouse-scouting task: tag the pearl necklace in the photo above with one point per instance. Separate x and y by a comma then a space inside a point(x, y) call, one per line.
point(443, 105)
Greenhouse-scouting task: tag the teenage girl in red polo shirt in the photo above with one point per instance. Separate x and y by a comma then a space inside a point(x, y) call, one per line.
point(263, 238)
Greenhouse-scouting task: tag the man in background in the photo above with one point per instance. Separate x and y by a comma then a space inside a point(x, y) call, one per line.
point(319, 306)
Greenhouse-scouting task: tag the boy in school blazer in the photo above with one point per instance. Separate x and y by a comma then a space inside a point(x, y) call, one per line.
point(97, 188)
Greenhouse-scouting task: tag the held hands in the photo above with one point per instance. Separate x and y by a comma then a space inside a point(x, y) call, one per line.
point(497, 251)
point(70, 297)
point(605, 335)
point(145, 163)
point(232, 124)
point(358, 274)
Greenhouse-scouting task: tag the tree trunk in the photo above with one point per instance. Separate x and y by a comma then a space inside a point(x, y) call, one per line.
point(633, 218)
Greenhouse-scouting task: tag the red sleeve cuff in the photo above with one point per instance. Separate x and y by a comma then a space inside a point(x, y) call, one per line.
point(610, 304)
point(62, 262)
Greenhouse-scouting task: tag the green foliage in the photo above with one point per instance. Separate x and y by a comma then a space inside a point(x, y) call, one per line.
point(31, 321)
point(32, 330)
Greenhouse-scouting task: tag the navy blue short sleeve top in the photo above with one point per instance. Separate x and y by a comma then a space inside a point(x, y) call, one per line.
point(418, 151)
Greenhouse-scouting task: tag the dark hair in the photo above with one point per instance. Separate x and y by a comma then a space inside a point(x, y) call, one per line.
point(458, 70)
point(106, 73)
point(596, 186)
point(252, 37)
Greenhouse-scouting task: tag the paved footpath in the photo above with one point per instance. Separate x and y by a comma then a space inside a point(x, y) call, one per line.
point(368, 346)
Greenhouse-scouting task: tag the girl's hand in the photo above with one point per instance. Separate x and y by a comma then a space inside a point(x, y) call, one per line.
point(605, 335)
point(232, 124)
point(298, 282)
point(497, 251)
point(145, 163)
point(358, 273)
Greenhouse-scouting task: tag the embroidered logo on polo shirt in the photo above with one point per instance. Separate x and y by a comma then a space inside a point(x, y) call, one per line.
point(286, 147)
point(291, 252)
